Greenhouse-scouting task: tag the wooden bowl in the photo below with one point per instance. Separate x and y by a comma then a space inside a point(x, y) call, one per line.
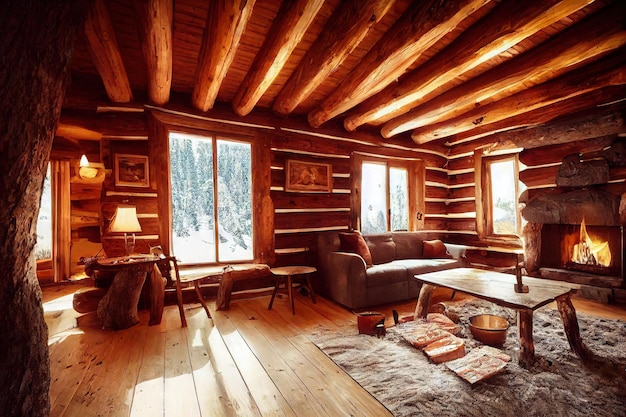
point(489, 329)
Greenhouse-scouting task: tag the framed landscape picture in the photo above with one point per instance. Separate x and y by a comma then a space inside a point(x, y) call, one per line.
point(308, 177)
point(131, 170)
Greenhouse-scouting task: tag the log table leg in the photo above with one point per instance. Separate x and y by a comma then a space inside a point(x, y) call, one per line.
point(157, 295)
point(423, 301)
point(526, 344)
point(570, 324)
point(118, 308)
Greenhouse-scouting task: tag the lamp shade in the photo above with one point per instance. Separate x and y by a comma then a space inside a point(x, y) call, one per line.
point(125, 220)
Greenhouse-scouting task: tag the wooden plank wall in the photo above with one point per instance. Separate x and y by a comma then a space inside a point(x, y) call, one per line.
point(299, 216)
point(449, 192)
point(144, 198)
point(84, 206)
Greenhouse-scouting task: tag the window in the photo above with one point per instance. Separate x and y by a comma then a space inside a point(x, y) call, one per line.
point(211, 199)
point(388, 195)
point(43, 247)
point(497, 208)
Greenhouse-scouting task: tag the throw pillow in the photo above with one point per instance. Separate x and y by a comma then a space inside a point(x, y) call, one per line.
point(353, 242)
point(435, 249)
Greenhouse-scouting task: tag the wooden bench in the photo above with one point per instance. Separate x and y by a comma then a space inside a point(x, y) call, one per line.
point(226, 276)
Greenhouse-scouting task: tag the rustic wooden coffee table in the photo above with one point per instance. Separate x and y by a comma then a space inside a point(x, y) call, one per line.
point(498, 288)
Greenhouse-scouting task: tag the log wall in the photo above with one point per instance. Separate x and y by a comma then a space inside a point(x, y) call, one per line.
point(298, 216)
point(449, 173)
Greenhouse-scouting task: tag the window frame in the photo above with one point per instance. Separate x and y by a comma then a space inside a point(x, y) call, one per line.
point(416, 188)
point(214, 137)
point(161, 122)
point(59, 266)
point(484, 198)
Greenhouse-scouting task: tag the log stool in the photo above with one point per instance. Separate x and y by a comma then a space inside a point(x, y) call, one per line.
point(285, 274)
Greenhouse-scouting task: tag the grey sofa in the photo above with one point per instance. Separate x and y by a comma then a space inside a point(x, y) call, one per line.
point(396, 257)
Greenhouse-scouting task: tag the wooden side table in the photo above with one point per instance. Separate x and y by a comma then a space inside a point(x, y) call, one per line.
point(285, 274)
point(118, 308)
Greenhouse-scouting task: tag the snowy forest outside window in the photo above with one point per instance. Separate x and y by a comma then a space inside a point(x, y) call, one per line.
point(211, 199)
point(43, 247)
point(384, 197)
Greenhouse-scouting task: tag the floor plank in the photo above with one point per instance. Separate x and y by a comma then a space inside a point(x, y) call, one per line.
point(148, 399)
point(204, 374)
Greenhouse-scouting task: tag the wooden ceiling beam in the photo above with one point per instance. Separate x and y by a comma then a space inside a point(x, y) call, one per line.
point(607, 72)
point(105, 53)
point(343, 32)
point(286, 32)
point(603, 33)
point(586, 102)
point(87, 125)
point(506, 25)
point(419, 28)
point(226, 22)
point(155, 31)
point(600, 123)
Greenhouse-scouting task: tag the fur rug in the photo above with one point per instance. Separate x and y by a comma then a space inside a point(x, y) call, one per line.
point(558, 384)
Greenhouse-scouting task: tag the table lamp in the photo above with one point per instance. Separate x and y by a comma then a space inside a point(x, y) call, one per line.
point(125, 221)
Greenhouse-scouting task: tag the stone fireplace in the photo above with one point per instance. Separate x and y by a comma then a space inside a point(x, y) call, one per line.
point(575, 232)
point(594, 252)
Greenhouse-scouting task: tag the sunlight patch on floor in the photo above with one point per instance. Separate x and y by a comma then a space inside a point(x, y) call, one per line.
point(60, 337)
point(58, 304)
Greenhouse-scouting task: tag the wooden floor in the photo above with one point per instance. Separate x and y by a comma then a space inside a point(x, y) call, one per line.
point(247, 361)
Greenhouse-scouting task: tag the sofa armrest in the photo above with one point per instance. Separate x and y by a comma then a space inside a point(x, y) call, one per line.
point(347, 279)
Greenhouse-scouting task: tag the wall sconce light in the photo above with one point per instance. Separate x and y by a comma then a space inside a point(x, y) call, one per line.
point(90, 170)
point(125, 221)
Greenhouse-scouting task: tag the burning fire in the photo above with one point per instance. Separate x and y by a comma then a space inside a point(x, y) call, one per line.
point(588, 252)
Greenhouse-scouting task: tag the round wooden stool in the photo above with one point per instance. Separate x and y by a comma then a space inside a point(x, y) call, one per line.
point(286, 273)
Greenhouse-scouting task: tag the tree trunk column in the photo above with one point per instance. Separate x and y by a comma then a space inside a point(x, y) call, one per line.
point(36, 46)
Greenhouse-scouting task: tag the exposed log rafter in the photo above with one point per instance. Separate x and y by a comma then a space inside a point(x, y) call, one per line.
point(508, 24)
point(105, 53)
point(418, 29)
point(226, 22)
point(344, 64)
point(593, 77)
point(592, 100)
point(287, 30)
point(604, 31)
point(346, 28)
point(155, 31)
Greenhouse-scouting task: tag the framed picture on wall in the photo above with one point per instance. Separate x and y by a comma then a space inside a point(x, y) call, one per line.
point(131, 170)
point(308, 177)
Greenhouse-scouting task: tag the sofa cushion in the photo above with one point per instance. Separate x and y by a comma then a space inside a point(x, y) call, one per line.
point(409, 245)
point(423, 266)
point(382, 247)
point(353, 242)
point(435, 249)
point(385, 274)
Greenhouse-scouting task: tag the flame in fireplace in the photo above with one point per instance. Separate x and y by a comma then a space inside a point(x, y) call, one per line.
point(589, 252)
